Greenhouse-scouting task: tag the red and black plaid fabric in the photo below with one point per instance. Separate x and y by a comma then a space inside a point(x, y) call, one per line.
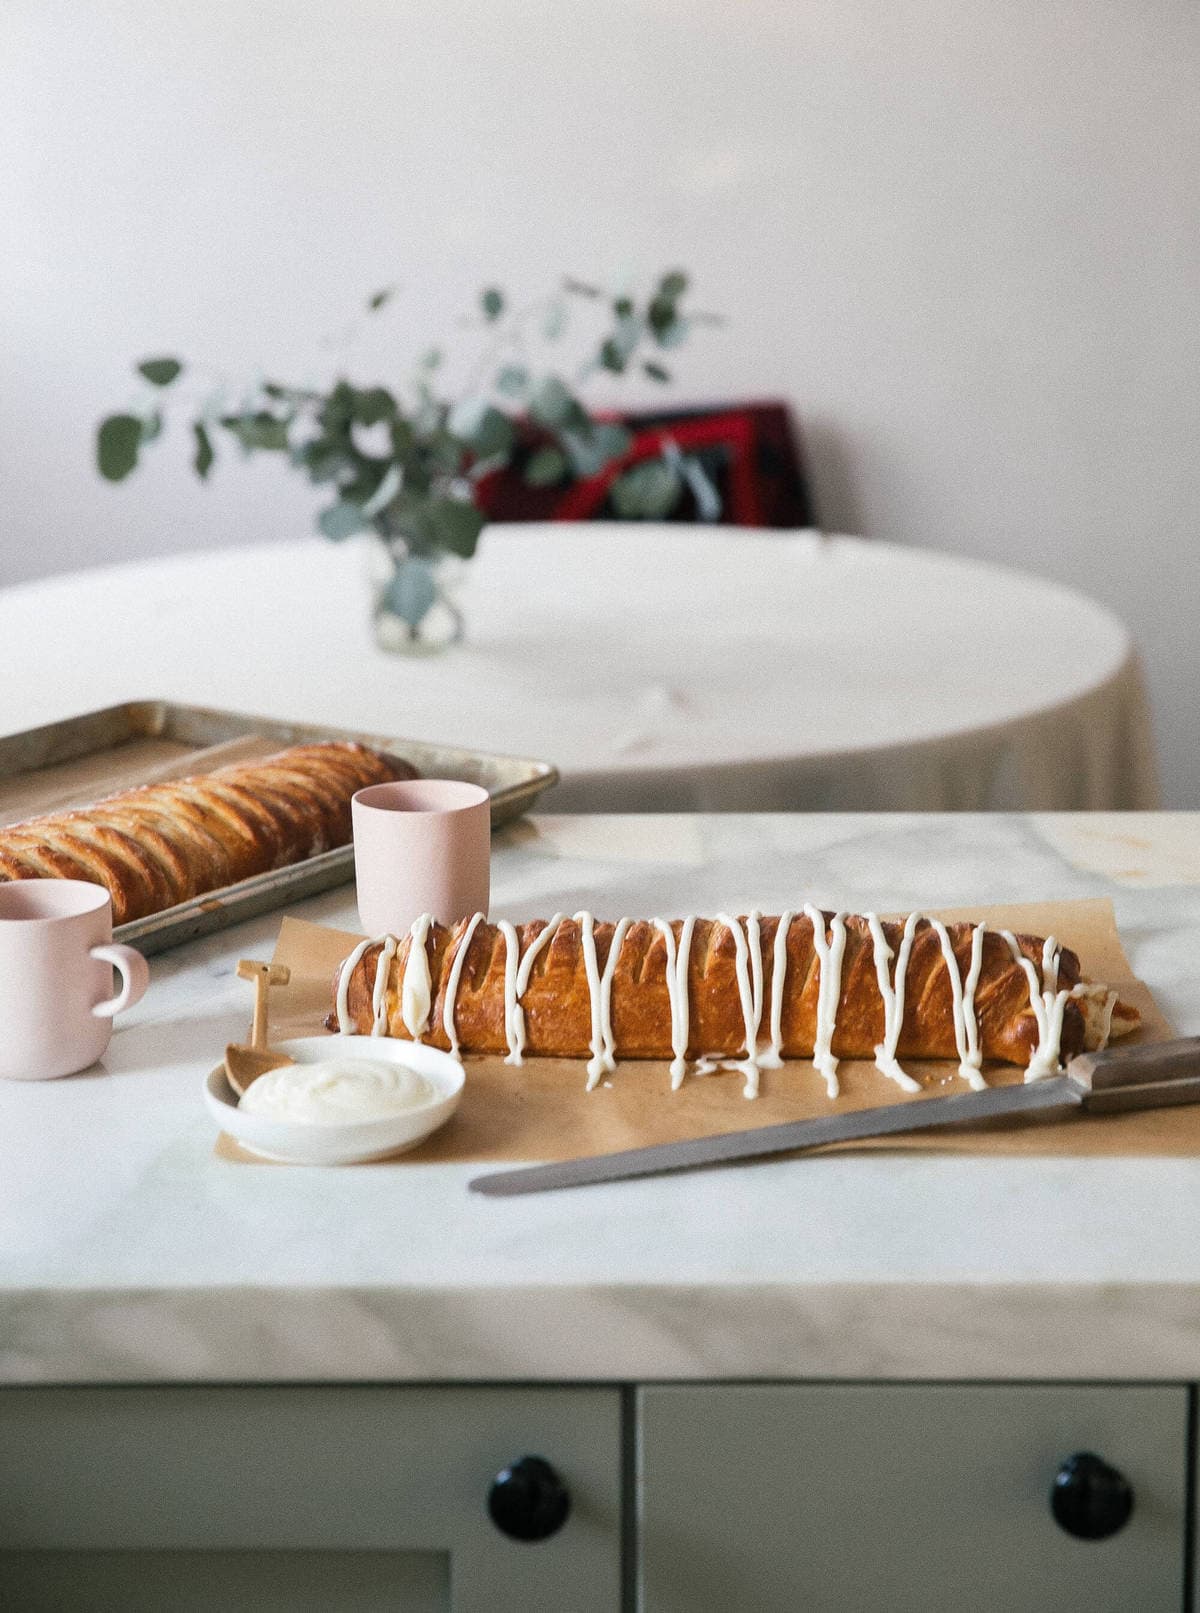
point(750, 452)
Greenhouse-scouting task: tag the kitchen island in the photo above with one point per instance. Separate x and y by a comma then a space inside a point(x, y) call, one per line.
point(1055, 1300)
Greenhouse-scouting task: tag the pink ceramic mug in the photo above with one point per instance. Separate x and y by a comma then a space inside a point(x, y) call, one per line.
point(56, 964)
point(421, 846)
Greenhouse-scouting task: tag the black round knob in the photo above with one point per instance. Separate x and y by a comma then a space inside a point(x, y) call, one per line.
point(1090, 1499)
point(528, 1501)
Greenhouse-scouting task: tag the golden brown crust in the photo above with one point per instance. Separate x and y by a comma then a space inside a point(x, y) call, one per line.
point(160, 844)
point(557, 1004)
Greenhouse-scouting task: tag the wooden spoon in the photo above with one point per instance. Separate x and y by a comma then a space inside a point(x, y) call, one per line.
point(245, 1064)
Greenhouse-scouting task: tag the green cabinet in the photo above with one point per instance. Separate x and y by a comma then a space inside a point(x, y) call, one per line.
point(297, 1498)
point(680, 1498)
point(911, 1498)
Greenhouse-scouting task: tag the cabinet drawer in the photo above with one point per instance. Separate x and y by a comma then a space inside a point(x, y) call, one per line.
point(294, 1497)
point(927, 1498)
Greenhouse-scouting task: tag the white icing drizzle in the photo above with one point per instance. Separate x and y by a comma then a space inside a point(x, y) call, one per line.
point(603, 1060)
point(591, 968)
point(1047, 1003)
point(829, 991)
point(966, 1026)
point(748, 966)
point(514, 1037)
point(456, 969)
point(345, 1023)
point(416, 992)
point(678, 959)
point(772, 1056)
point(379, 996)
point(891, 989)
point(1101, 1035)
point(1046, 1000)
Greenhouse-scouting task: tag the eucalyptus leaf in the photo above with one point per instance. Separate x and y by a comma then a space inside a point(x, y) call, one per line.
point(646, 492)
point(258, 430)
point(553, 405)
point(492, 303)
point(673, 285)
point(337, 411)
point(403, 439)
point(117, 442)
point(411, 590)
point(325, 461)
point(655, 371)
point(455, 525)
point(702, 487)
point(591, 450)
point(513, 381)
point(152, 425)
point(393, 480)
point(466, 417)
point(674, 334)
point(611, 357)
point(444, 452)
point(661, 314)
point(494, 435)
point(342, 520)
point(546, 467)
point(373, 405)
point(160, 371)
point(202, 459)
point(377, 299)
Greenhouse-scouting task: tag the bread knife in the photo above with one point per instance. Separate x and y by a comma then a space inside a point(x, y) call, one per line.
point(1151, 1075)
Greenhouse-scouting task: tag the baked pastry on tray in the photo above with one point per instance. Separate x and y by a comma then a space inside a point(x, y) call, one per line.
point(740, 992)
point(159, 844)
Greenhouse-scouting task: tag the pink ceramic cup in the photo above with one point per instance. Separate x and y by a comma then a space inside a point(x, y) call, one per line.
point(56, 964)
point(421, 846)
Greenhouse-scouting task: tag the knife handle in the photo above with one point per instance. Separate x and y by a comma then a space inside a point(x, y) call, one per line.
point(1139, 1065)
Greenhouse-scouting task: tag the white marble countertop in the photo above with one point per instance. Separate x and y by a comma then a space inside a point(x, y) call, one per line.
point(129, 1253)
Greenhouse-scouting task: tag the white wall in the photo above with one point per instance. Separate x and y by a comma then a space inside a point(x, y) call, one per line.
point(962, 235)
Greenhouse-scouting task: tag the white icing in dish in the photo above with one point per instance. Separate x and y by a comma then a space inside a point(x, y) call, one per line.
point(452, 983)
point(337, 1091)
point(829, 991)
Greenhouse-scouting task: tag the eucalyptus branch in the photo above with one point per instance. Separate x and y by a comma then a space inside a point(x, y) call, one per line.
point(410, 465)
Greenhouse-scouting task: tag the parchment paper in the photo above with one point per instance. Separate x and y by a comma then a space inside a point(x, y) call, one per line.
point(542, 1112)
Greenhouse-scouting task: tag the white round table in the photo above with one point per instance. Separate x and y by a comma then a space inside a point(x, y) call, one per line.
point(664, 668)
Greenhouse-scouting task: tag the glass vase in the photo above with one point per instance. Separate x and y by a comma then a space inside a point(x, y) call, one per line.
point(415, 612)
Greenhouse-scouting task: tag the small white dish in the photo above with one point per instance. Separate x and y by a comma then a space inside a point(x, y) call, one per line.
point(297, 1143)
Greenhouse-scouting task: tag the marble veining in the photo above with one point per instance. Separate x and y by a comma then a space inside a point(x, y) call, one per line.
point(127, 1252)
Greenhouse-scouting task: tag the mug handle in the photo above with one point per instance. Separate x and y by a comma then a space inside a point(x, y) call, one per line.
point(135, 977)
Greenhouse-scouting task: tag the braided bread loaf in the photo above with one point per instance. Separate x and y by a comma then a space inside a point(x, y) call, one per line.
point(160, 844)
point(733, 1002)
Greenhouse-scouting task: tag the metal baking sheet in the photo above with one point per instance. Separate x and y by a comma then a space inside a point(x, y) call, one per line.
point(71, 763)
